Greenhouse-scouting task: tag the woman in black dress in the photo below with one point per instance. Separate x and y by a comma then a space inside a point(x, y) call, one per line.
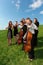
point(36, 31)
point(9, 34)
point(15, 30)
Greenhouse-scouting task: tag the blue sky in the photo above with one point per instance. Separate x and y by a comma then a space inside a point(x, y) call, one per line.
point(18, 9)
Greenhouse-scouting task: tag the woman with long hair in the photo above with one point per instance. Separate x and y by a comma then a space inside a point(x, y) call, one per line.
point(9, 34)
point(36, 31)
point(15, 27)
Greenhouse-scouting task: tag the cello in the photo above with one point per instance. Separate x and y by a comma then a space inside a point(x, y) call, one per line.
point(27, 45)
point(20, 37)
point(22, 32)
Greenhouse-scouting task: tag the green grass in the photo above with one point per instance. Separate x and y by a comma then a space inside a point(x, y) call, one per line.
point(13, 55)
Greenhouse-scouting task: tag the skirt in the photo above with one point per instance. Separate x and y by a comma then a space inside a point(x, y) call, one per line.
point(10, 35)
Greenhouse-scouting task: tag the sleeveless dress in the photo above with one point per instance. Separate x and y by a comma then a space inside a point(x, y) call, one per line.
point(15, 30)
point(9, 33)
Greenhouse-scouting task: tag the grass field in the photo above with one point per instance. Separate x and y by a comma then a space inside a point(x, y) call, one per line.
point(13, 55)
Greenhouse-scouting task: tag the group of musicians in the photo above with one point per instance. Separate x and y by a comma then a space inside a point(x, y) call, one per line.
point(26, 26)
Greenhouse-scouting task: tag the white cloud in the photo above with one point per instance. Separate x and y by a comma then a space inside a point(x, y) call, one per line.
point(41, 12)
point(36, 4)
point(17, 4)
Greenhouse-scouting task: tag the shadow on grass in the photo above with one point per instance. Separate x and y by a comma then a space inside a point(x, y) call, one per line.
point(39, 51)
point(40, 42)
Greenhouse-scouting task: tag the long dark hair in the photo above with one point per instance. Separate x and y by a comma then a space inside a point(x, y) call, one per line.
point(36, 22)
point(36, 19)
point(10, 24)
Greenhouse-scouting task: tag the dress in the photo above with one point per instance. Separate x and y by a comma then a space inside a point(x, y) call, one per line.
point(9, 34)
point(15, 30)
